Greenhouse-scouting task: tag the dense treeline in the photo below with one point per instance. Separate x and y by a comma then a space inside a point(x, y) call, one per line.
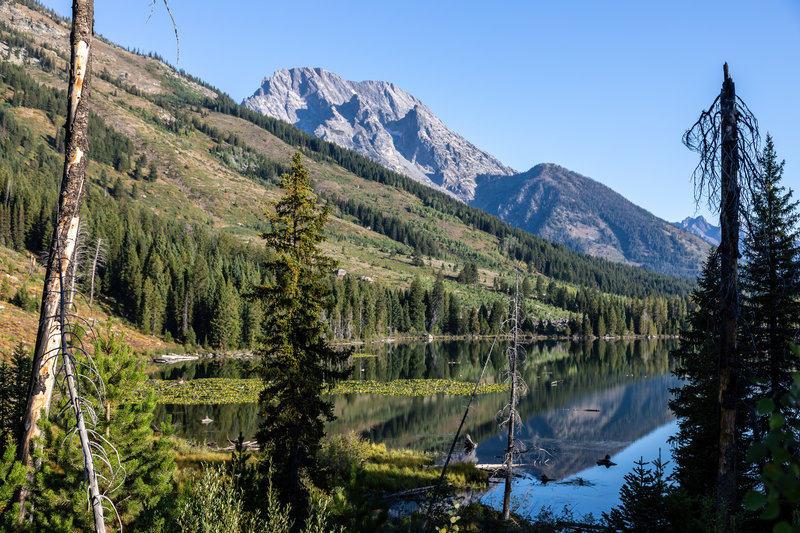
point(29, 174)
point(364, 309)
point(29, 93)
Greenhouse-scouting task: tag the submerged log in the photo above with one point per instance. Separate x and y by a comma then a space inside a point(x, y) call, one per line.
point(469, 444)
point(606, 462)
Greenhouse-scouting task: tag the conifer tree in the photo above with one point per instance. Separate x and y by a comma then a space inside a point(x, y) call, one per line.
point(14, 378)
point(12, 474)
point(148, 463)
point(468, 274)
point(643, 500)
point(455, 321)
point(696, 446)
point(152, 172)
point(771, 282)
point(497, 316)
point(437, 302)
point(416, 305)
point(297, 364)
point(138, 170)
point(225, 323)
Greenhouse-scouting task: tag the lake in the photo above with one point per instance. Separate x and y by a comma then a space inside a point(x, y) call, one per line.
point(584, 400)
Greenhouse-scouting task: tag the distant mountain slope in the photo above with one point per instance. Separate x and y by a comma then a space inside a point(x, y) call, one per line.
point(702, 228)
point(378, 120)
point(564, 206)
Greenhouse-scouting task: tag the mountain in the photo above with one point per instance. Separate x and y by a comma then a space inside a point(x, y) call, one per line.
point(702, 228)
point(561, 205)
point(379, 120)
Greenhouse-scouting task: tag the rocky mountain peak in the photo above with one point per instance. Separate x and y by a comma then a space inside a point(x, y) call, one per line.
point(379, 120)
point(702, 228)
point(561, 205)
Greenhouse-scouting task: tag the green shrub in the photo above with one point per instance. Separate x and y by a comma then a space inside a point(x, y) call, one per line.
point(215, 506)
point(23, 299)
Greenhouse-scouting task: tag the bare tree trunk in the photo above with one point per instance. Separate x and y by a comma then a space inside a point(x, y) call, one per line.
point(513, 409)
point(729, 299)
point(75, 265)
point(60, 266)
point(95, 500)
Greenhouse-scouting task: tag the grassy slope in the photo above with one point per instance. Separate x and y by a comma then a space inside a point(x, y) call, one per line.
point(19, 325)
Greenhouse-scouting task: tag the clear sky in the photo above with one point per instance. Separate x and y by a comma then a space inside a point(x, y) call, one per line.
point(604, 88)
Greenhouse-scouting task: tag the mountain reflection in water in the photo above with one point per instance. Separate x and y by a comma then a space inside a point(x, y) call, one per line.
point(623, 383)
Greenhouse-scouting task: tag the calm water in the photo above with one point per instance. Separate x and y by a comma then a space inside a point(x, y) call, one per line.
point(584, 400)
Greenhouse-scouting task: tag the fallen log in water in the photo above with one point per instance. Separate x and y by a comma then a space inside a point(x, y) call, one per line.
point(499, 469)
point(246, 445)
point(419, 491)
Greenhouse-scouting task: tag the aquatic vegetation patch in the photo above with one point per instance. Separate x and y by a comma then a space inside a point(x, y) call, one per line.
point(360, 355)
point(416, 387)
point(205, 391)
point(229, 390)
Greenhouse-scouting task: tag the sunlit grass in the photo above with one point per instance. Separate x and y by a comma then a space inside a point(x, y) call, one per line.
point(383, 470)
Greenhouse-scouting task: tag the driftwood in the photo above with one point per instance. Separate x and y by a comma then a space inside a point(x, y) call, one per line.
point(420, 491)
point(246, 445)
point(500, 470)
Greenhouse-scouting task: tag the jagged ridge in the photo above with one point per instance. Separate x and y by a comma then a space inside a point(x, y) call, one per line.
point(702, 228)
point(378, 120)
point(562, 205)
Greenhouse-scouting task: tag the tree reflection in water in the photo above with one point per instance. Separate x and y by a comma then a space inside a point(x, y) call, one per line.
point(623, 384)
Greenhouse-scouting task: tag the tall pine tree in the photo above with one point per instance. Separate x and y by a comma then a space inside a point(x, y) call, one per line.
point(297, 364)
point(696, 444)
point(771, 283)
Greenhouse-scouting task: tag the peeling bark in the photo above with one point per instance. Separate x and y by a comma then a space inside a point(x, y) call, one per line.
point(60, 265)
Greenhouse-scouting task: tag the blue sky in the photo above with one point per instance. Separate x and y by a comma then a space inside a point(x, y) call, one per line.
point(602, 88)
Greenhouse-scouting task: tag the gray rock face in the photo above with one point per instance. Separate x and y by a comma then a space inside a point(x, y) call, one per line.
point(561, 205)
point(379, 120)
point(702, 228)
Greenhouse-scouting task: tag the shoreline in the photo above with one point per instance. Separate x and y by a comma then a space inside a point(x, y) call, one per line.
point(173, 357)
